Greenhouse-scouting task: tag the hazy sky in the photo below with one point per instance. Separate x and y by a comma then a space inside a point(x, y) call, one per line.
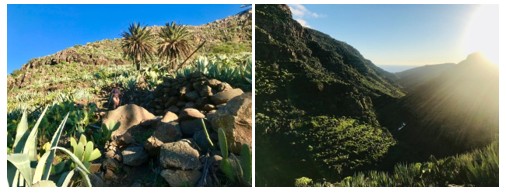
point(408, 34)
point(40, 30)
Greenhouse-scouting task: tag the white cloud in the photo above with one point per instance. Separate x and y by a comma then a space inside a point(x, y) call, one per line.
point(301, 14)
point(302, 22)
point(300, 11)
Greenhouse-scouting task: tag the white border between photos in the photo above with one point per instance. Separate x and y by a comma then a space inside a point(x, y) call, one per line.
point(3, 70)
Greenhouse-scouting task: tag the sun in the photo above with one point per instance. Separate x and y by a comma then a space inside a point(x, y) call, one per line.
point(482, 33)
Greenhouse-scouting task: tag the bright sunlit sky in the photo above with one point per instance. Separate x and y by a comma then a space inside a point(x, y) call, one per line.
point(408, 34)
point(40, 30)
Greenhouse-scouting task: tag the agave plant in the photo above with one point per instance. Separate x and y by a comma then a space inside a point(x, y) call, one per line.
point(236, 170)
point(84, 150)
point(19, 170)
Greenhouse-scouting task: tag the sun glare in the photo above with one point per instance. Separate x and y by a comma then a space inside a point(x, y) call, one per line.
point(482, 33)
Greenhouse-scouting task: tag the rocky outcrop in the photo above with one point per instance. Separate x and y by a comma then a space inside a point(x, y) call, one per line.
point(195, 92)
point(129, 117)
point(235, 119)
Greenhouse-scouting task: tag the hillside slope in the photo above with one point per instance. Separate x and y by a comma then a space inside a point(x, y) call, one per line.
point(89, 70)
point(315, 102)
point(456, 111)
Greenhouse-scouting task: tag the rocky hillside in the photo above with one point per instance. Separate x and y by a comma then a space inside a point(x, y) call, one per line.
point(225, 36)
point(314, 71)
point(315, 102)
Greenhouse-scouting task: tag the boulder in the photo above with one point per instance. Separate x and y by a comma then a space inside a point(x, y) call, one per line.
point(128, 116)
point(226, 95)
point(235, 119)
point(164, 133)
point(134, 156)
point(179, 155)
point(181, 177)
point(169, 117)
point(189, 127)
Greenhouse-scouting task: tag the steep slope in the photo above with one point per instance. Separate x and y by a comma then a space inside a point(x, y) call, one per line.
point(410, 79)
point(453, 112)
point(317, 73)
point(315, 102)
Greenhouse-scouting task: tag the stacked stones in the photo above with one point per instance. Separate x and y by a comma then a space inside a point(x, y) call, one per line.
point(195, 91)
point(177, 141)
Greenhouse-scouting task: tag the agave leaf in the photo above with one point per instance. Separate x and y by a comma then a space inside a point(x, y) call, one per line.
point(17, 177)
point(66, 178)
point(74, 158)
point(21, 134)
point(79, 151)
point(222, 138)
point(73, 143)
point(37, 176)
point(31, 142)
point(54, 143)
point(45, 183)
point(83, 139)
point(246, 163)
point(87, 151)
point(94, 155)
point(84, 174)
point(22, 163)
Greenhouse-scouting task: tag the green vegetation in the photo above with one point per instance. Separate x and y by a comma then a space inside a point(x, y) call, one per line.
point(343, 144)
point(19, 164)
point(236, 69)
point(477, 168)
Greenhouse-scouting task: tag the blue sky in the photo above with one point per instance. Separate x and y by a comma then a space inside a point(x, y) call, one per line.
point(408, 34)
point(40, 30)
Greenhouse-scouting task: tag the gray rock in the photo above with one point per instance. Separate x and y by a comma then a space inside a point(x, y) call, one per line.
point(169, 117)
point(225, 96)
point(189, 127)
point(213, 82)
point(164, 133)
point(128, 116)
point(235, 119)
point(178, 178)
point(134, 156)
point(224, 87)
point(179, 155)
point(96, 181)
point(190, 113)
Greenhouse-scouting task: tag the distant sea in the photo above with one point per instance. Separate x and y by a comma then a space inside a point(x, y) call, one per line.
point(396, 68)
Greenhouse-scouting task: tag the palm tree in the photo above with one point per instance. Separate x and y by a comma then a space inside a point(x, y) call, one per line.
point(137, 44)
point(175, 43)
